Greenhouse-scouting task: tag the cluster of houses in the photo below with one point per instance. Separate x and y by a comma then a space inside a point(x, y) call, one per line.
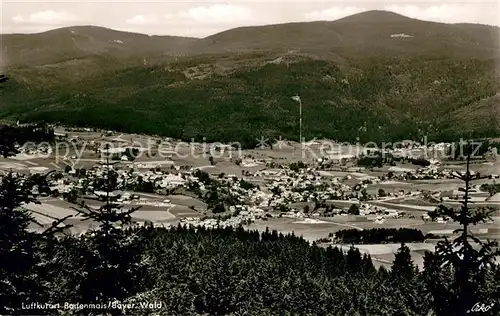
point(283, 186)
point(431, 172)
point(305, 186)
point(89, 181)
point(242, 215)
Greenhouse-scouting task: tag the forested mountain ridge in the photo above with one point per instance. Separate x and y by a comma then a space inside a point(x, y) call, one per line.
point(375, 75)
point(362, 35)
point(367, 34)
point(80, 42)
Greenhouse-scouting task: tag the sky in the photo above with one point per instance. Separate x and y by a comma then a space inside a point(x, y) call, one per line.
point(204, 18)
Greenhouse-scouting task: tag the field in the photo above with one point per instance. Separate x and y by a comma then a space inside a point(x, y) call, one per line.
point(381, 254)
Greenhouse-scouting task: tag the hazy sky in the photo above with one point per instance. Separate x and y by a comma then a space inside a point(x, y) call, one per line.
point(203, 18)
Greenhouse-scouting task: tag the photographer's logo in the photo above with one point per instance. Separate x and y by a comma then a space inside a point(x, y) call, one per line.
point(481, 308)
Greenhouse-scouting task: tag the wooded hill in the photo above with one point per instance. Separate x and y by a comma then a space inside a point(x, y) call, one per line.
point(356, 78)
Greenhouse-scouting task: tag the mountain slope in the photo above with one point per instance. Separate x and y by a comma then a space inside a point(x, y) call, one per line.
point(372, 33)
point(84, 41)
point(367, 34)
point(428, 79)
point(384, 100)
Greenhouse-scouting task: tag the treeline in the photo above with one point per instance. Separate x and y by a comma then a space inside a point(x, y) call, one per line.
point(379, 235)
point(477, 147)
point(376, 159)
point(10, 136)
point(296, 166)
point(422, 162)
point(36, 133)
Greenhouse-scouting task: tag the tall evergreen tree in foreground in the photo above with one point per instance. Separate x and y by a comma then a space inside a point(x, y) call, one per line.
point(470, 259)
point(18, 256)
point(109, 254)
point(403, 266)
point(23, 273)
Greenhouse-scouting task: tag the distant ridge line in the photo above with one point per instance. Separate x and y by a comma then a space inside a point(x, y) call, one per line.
point(369, 16)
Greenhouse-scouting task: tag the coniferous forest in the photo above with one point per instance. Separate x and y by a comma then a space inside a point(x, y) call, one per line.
point(381, 100)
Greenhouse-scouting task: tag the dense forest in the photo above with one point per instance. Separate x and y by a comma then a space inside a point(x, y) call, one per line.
point(385, 99)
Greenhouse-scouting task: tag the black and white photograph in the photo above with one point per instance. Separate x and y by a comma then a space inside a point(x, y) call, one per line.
point(249, 158)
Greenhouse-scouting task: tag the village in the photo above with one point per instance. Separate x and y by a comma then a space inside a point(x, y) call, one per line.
point(312, 193)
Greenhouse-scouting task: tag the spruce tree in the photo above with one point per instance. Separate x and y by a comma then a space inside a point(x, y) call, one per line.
point(22, 269)
point(354, 260)
point(111, 256)
point(22, 272)
point(402, 266)
point(466, 256)
point(17, 247)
